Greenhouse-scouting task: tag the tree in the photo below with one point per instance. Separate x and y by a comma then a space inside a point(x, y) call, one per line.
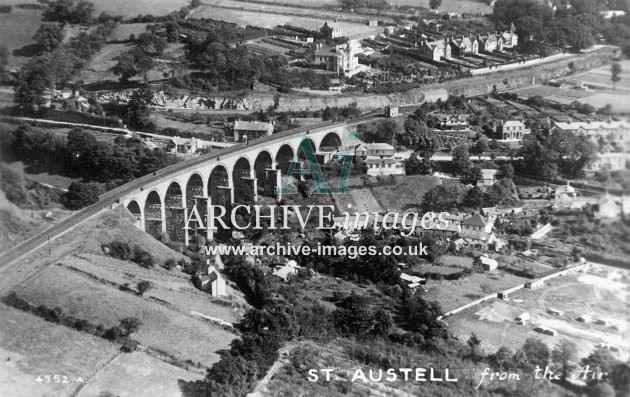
point(69, 11)
point(435, 4)
point(195, 3)
point(4, 61)
point(133, 63)
point(48, 37)
point(564, 355)
point(138, 111)
point(31, 83)
point(474, 198)
point(81, 194)
point(602, 389)
point(536, 352)
point(506, 171)
point(443, 198)
point(144, 286)
point(473, 343)
point(615, 71)
point(461, 159)
point(620, 377)
point(417, 166)
point(479, 147)
point(152, 43)
point(502, 359)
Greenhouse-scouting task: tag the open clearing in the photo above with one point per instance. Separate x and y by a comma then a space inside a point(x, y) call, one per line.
point(164, 329)
point(601, 295)
point(138, 375)
point(16, 31)
point(30, 346)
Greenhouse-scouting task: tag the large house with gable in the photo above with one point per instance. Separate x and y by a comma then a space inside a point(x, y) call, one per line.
point(464, 46)
point(436, 50)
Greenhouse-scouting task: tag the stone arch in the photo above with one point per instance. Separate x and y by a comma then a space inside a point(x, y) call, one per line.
point(174, 195)
point(263, 162)
point(301, 154)
point(153, 214)
point(218, 180)
point(194, 188)
point(330, 140)
point(284, 157)
point(134, 208)
point(243, 184)
point(174, 210)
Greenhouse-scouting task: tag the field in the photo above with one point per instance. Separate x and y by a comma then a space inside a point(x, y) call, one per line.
point(269, 20)
point(138, 375)
point(408, 190)
point(173, 287)
point(16, 33)
point(472, 6)
point(162, 328)
point(129, 9)
point(456, 293)
point(31, 347)
point(601, 293)
point(461, 6)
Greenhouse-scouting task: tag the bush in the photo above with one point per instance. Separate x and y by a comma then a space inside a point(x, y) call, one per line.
point(169, 264)
point(143, 286)
point(125, 252)
point(81, 194)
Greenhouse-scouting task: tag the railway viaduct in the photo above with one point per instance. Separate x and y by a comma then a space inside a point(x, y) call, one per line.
point(239, 174)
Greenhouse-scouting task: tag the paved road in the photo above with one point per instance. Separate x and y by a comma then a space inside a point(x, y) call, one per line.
point(112, 198)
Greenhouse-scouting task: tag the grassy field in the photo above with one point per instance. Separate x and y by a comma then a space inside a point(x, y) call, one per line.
point(172, 286)
point(164, 329)
point(16, 31)
point(138, 375)
point(461, 6)
point(475, 6)
point(453, 294)
point(269, 20)
point(130, 9)
point(408, 190)
point(31, 347)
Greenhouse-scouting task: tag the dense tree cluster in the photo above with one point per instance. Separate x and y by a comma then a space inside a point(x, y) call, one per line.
point(558, 154)
point(379, 5)
point(69, 11)
point(82, 155)
point(573, 25)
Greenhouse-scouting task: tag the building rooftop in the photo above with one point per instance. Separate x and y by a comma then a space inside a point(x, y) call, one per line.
point(475, 220)
point(252, 125)
point(591, 125)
